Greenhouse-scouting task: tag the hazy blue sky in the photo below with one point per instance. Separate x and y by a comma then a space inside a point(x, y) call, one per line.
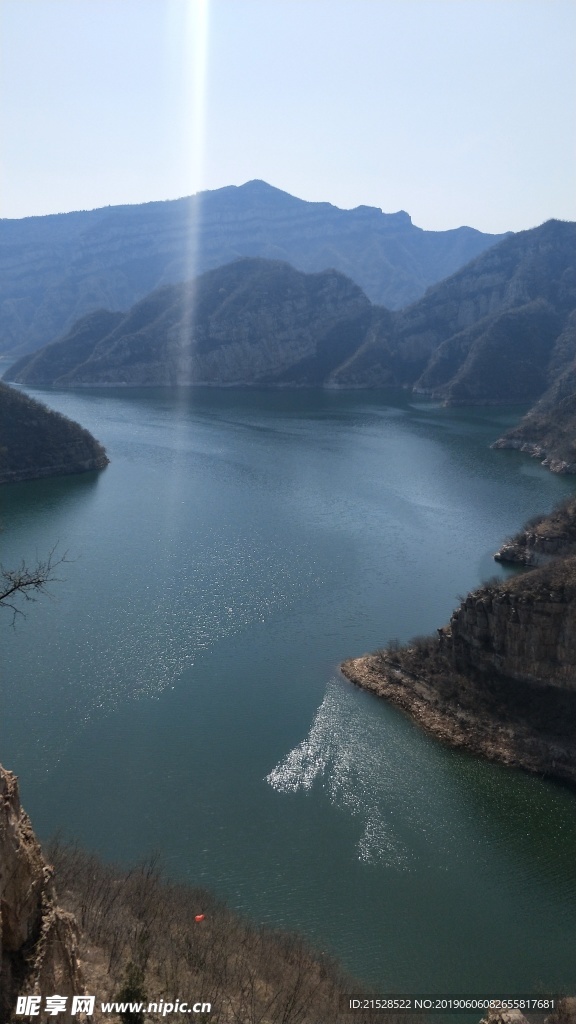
point(458, 111)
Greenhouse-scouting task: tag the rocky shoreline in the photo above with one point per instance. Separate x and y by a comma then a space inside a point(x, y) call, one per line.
point(538, 451)
point(467, 726)
point(500, 679)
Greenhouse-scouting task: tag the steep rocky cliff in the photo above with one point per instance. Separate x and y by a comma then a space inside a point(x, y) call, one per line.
point(500, 679)
point(36, 442)
point(56, 269)
point(523, 630)
point(37, 938)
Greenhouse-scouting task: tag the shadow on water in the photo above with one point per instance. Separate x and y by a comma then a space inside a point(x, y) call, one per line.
point(48, 496)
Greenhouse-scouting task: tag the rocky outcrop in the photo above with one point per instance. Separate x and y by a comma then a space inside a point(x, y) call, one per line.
point(565, 1013)
point(543, 539)
point(524, 629)
point(497, 1016)
point(37, 939)
point(37, 442)
point(500, 679)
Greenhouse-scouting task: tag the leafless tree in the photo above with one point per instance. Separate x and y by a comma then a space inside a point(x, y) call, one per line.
point(27, 582)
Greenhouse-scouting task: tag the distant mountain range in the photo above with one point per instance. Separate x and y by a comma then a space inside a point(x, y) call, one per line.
point(502, 329)
point(57, 268)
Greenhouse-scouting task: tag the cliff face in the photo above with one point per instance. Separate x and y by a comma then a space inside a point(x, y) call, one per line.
point(500, 678)
point(524, 629)
point(37, 939)
point(36, 442)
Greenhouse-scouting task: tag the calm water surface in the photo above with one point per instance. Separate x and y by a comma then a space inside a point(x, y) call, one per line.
point(180, 691)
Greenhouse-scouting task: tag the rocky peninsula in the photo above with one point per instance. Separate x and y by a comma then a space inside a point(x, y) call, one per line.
point(500, 679)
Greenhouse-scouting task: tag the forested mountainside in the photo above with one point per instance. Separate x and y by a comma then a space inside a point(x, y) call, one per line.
point(253, 321)
point(37, 442)
point(502, 329)
point(57, 268)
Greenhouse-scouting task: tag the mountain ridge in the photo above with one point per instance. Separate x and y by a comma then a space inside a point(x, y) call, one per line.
point(501, 329)
point(56, 268)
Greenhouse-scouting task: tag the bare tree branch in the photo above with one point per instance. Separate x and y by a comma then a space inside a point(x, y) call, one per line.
point(28, 581)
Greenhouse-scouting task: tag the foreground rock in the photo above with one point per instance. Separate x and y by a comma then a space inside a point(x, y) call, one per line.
point(500, 679)
point(565, 1013)
point(36, 442)
point(37, 938)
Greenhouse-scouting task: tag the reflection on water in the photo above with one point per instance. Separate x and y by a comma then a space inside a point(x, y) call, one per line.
point(371, 761)
point(344, 752)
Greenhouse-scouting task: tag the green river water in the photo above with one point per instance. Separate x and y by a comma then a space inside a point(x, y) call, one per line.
point(180, 690)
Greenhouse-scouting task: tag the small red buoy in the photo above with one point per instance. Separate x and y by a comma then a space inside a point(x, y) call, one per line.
point(199, 917)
